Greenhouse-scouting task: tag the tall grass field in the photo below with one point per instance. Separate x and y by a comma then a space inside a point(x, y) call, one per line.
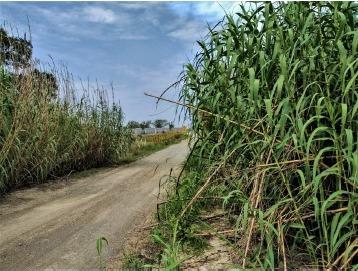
point(273, 99)
point(48, 130)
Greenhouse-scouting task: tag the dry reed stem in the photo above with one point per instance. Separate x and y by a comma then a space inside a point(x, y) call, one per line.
point(257, 201)
point(205, 111)
point(208, 217)
point(330, 266)
point(204, 234)
point(302, 217)
point(149, 226)
point(350, 258)
point(282, 239)
point(205, 185)
point(219, 116)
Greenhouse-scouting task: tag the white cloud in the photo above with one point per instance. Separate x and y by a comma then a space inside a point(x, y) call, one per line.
point(213, 9)
point(99, 15)
point(193, 20)
point(219, 9)
point(192, 23)
point(88, 13)
point(189, 31)
point(132, 37)
point(135, 5)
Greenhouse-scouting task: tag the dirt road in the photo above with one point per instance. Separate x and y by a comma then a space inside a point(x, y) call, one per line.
point(55, 226)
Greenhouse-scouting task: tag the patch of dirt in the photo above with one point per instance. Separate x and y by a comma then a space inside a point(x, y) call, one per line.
point(218, 256)
point(220, 253)
point(138, 244)
point(55, 226)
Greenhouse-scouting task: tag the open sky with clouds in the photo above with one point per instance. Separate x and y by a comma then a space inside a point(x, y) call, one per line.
point(137, 46)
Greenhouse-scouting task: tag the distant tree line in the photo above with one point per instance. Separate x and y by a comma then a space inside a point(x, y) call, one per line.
point(158, 123)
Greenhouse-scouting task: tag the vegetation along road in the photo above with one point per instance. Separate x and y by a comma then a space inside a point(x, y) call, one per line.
point(56, 225)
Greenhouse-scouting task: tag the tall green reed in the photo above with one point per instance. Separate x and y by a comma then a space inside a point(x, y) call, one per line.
point(280, 82)
point(48, 131)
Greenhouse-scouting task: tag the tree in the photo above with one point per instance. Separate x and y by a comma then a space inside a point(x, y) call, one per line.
point(145, 124)
point(14, 51)
point(160, 123)
point(133, 124)
point(46, 80)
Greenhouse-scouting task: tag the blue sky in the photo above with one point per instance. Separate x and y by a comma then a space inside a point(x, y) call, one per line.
point(137, 46)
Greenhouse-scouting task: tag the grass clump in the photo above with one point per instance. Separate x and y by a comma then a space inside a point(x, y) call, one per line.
point(165, 137)
point(48, 127)
point(273, 99)
point(144, 145)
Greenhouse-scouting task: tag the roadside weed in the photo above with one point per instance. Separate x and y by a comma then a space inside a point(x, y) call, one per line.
point(99, 247)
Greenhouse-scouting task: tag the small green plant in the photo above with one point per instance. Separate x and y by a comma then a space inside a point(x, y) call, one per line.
point(99, 247)
point(170, 257)
point(132, 262)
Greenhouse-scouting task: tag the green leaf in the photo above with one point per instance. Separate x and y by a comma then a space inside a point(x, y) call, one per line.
point(99, 244)
point(344, 116)
point(268, 105)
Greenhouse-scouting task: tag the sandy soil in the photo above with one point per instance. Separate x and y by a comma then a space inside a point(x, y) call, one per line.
point(55, 226)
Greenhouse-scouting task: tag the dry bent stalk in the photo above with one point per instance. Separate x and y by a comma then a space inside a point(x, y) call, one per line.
point(206, 112)
point(205, 184)
point(256, 200)
point(216, 115)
